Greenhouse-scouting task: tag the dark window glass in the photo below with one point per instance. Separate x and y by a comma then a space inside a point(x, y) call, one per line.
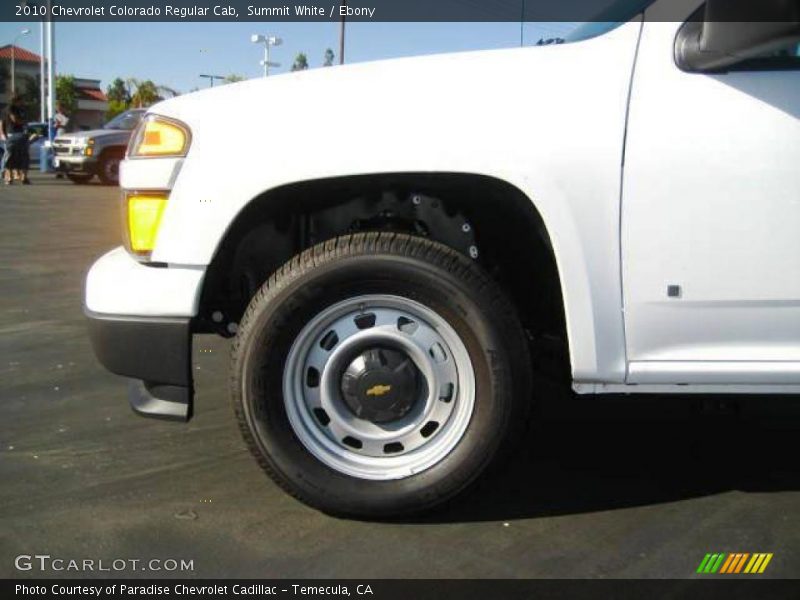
point(127, 120)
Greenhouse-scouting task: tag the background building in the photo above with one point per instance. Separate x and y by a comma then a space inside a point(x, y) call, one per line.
point(92, 103)
point(26, 71)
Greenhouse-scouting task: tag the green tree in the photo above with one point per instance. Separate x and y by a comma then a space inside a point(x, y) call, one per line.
point(165, 89)
point(118, 92)
point(67, 93)
point(28, 90)
point(329, 57)
point(233, 78)
point(115, 107)
point(5, 79)
point(146, 93)
point(300, 62)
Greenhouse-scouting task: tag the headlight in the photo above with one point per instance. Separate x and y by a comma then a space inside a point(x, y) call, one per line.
point(143, 212)
point(159, 137)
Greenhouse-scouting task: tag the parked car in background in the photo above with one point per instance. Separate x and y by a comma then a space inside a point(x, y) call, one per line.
point(82, 155)
point(38, 129)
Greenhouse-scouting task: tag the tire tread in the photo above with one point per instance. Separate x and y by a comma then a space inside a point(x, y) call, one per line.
point(397, 244)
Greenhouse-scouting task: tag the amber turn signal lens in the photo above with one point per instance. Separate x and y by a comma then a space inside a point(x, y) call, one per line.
point(144, 212)
point(159, 137)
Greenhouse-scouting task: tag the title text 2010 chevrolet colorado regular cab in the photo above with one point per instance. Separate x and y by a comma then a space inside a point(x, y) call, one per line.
point(394, 265)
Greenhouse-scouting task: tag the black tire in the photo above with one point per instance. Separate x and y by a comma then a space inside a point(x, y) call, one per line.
point(79, 179)
point(380, 263)
point(108, 169)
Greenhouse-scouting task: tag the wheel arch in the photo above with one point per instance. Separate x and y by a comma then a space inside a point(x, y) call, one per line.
point(273, 226)
point(111, 151)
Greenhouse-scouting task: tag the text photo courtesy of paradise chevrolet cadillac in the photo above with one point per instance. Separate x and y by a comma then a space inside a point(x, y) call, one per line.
point(407, 294)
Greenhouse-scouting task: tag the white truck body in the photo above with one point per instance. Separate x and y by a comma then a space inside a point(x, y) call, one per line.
point(671, 199)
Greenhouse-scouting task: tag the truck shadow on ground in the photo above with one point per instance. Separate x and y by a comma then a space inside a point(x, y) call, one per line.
point(595, 453)
point(49, 179)
point(52, 180)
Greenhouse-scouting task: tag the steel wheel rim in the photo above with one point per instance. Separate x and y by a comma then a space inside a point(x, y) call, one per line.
point(362, 448)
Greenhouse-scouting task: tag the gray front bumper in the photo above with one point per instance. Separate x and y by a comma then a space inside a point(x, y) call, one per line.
point(156, 352)
point(76, 164)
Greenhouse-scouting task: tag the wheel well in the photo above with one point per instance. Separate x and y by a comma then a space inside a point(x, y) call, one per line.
point(112, 151)
point(483, 217)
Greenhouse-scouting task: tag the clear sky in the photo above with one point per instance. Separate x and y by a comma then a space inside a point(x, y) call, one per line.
point(174, 54)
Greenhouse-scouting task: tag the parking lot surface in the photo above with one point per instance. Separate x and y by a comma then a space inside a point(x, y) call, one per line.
point(603, 487)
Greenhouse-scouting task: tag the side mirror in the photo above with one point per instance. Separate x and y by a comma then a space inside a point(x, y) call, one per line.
point(735, 30)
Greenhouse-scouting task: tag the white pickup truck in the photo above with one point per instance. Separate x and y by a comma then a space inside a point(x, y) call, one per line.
point(406, 242)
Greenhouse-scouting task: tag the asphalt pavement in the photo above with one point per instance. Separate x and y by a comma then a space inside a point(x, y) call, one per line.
point(603, 487)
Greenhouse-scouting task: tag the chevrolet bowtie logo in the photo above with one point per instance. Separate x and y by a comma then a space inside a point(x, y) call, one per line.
point(378, 390)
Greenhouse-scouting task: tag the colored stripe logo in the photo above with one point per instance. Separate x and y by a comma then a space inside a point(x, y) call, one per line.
point(735, 563)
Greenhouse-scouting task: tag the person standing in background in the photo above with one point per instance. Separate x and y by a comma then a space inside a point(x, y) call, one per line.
point(60, 122)
point(13, 131)
point(3, 158)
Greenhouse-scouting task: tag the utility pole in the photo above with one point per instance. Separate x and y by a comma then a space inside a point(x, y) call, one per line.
point(211, 78)
point(51, 72)
point(341, 35)
point(49, 56)
point(13, 59)
point(42, 109)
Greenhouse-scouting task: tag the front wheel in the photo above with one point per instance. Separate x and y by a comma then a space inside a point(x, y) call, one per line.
point(379, 374)
point(109, 168)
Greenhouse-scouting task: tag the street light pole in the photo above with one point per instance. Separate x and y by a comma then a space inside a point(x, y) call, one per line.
point(13, 59)
point(51, 73)
point(42, 109)
point(48, 56)
point(341, 35)
point(267, 40)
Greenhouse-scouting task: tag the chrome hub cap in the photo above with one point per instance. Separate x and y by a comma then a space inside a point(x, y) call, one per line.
point(379, 387)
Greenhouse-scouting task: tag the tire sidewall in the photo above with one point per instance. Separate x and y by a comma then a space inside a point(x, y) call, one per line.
point(274, 324)
point(111, 178)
